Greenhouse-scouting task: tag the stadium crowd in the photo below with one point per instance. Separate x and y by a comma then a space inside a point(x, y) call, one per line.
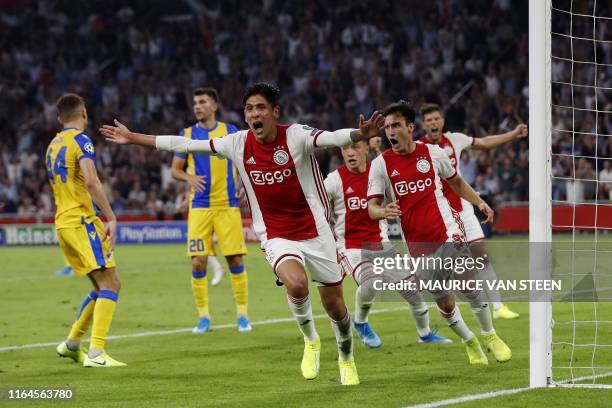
point(332, 61)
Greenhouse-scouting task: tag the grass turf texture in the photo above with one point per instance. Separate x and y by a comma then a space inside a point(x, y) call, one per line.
point(259, 368)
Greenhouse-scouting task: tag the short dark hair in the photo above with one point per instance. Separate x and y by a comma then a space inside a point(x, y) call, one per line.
point(270, 92)
point(403, 108)
point(67, 106)
point(212, 92)
point(429, 108)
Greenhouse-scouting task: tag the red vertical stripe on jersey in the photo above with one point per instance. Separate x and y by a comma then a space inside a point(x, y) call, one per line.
point(445, 144)
point(359, 228)
point(273, 178)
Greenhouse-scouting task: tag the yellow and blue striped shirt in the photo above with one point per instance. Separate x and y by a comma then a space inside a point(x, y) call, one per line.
point(221, 178)
point(73, 202)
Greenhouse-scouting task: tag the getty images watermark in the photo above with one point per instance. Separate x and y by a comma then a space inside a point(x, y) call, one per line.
point(519, 271)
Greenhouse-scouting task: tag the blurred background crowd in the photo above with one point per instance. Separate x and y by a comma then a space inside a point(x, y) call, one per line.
point(331, 59)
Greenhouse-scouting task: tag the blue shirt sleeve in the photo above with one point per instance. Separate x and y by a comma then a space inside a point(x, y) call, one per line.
point(86, 147)
point(231, 128)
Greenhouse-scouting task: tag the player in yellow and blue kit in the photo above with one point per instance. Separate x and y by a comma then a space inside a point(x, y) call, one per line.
point(86, 243)
point(213, 208)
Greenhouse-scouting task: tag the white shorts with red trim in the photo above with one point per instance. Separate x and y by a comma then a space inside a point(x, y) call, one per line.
point(473, 229)
point(317, 254)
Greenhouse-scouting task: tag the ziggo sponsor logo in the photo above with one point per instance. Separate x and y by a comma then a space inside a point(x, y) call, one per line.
point(261, 178)
point(403, 188)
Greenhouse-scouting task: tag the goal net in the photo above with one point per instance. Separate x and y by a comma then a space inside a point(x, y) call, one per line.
point(570, 113)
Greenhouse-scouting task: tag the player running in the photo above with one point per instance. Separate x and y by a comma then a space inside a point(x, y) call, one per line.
point(453, 144)
point(85, 242)
point(213, 209)
point(359, 238)
point(285, 191)
point(409, 175)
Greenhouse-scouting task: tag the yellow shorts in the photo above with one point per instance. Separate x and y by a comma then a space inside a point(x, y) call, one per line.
point(84, 248)
point(225, 223)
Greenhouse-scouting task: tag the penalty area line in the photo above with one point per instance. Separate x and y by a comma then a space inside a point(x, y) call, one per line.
point(472, 397)
point(187, 330)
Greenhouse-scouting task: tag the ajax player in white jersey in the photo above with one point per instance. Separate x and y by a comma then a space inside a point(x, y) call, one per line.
point(359, 238)
point(290, 209)
point(409, 175)
point(453, 144)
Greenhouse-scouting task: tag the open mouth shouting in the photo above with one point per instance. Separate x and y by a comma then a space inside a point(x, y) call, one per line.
point(257, 126)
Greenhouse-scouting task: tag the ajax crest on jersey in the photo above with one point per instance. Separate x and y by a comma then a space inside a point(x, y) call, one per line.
point(280, 157)
point(423, 166)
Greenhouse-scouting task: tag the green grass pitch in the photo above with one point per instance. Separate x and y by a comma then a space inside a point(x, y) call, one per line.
point(261, 368)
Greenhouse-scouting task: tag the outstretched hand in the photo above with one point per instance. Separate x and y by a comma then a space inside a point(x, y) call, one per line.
point(119, 133)
point(371, 127)
point(521, 130)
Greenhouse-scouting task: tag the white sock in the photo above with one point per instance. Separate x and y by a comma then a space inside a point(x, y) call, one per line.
point(456, 323)
point(480, 308)
point(302, 311)
point(420, 315)
point(214, 263)
point(364, 297)
point(488, 274)
point(344, 337)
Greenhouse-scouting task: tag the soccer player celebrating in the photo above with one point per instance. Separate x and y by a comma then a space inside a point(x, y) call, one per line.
point(409, 176)
point(453, 144)
point(83, 238)
point(285, 191)
point(213, 209)
point(358, 235)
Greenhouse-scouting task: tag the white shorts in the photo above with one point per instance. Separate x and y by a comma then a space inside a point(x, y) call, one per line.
point(473, 229)
point(317, 254)
point(358, 263)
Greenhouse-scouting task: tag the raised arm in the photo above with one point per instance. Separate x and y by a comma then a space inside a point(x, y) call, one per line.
point(491, 142)
point(120, 134)
point(367, 129)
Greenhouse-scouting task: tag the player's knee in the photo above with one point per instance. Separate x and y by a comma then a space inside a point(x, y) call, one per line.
point(234, 260)
point(297, 287)
point(198, 263)
point(446, 305)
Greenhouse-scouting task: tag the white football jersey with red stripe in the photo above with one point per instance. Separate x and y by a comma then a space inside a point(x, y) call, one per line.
point(415, 181)
point(282, 180)
point(453, 144)
point(353, 227)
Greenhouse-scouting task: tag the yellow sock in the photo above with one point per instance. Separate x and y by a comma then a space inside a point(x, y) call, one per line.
point(199, 287)
point(102, 318)
point(240, 287)
point(83, 320)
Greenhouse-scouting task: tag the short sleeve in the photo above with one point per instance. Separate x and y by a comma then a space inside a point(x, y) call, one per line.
point(441, 162)
point(231, 128)
point(85, 147)
point(181, 155)
point(377, 179)
point(333, 186)
point(461, 141)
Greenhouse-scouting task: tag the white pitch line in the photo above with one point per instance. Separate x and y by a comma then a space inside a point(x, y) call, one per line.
point(467, 398)
point(187, 330)
point(493, 394)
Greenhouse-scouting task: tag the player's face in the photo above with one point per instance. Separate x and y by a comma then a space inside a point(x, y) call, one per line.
point(260, 115)
point(433, 123)
point(203, 107)
point(355, 156)
point(399, 132)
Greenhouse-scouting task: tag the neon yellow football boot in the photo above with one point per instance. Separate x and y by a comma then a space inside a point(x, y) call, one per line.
point(500, 350)
point(348, 373)
point(474, 351)
point(504, 312)
point(102, 361)
point(78, 356)
point(310, 359)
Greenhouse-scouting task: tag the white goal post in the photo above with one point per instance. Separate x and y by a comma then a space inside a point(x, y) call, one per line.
point(540, 203)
